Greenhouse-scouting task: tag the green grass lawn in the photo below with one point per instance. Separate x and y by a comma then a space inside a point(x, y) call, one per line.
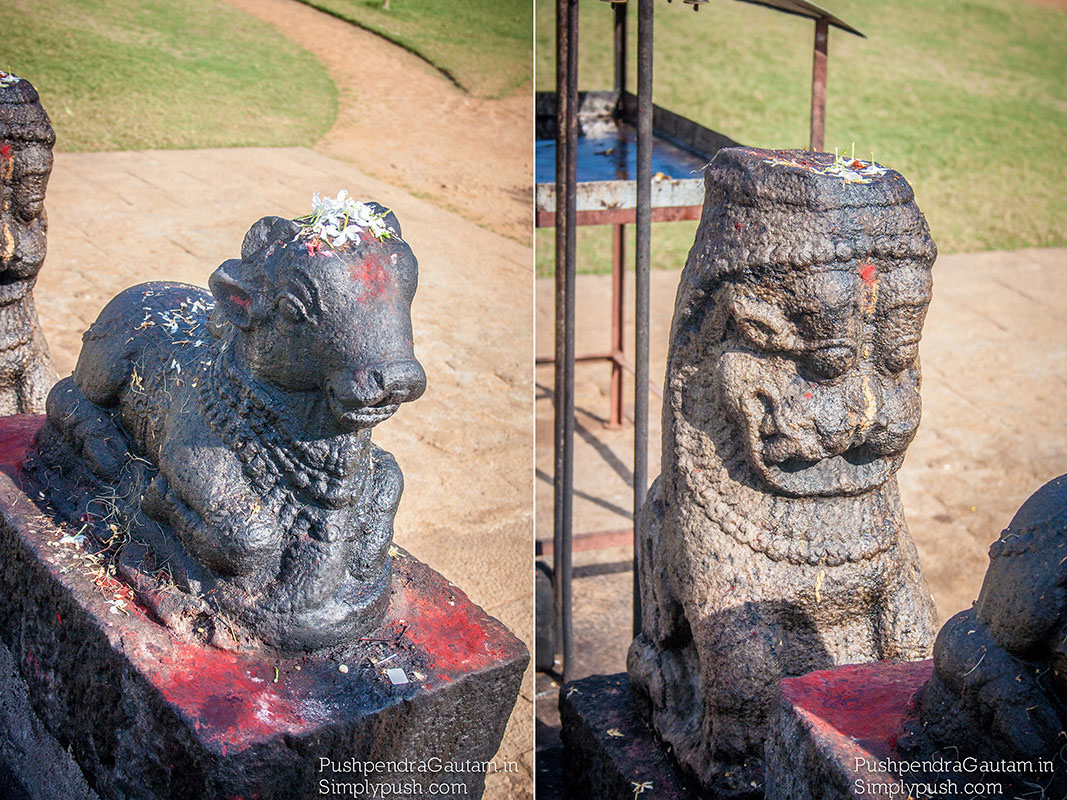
point(966, 98)
point(135, 74)
point(484, 46)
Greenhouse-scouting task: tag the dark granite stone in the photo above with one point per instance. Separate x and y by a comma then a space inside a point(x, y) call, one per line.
point(220, 444)
point(999, 689)
point(609, 752)
point(33, 765)
point(26, 140)
point(831, 730)
point(985, 719)
point(773, 542)
point(147, 713)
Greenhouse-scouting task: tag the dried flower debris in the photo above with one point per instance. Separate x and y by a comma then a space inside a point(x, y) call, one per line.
point(848, 168)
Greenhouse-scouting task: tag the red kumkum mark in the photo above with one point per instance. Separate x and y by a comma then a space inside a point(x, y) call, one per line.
point(243, 302)
point(457, 641)
point(371, 273)
point(868, 272)
point(6, 151)
point(221, 694)
point(313, 247)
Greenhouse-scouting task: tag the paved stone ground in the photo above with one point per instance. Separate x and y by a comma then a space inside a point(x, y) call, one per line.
point(117, 219)
point(994, 359)
point(400, 120)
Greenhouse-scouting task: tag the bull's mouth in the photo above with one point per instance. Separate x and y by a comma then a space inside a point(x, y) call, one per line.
point(855, 471)
point(362, 417)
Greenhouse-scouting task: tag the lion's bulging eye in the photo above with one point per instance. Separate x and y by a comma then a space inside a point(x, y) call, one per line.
point(902, 356)
point(292, 309)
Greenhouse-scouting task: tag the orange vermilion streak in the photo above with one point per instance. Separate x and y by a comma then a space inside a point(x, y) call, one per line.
point(868, 273)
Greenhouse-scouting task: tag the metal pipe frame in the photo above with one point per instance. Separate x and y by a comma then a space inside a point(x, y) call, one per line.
point(818, 84)
point(597, 540)
point(618, 247)
point(642, 263)
point(563, 478)
point(623, 216)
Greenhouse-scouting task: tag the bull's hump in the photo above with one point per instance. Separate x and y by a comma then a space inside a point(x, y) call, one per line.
point(160, 322)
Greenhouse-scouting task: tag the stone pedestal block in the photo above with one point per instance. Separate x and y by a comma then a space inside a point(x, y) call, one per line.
point(146, 714)
point(609, 752)
point(831, 729)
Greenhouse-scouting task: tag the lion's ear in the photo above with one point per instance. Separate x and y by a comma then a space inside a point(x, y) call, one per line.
point(233, 293)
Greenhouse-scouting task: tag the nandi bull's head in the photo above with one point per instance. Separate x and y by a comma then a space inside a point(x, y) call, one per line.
point(309, 317)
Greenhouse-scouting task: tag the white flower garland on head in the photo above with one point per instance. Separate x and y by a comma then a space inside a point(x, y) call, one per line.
point(340, 220)
point(8, 78)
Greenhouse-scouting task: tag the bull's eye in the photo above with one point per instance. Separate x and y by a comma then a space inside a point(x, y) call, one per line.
point(292, 309)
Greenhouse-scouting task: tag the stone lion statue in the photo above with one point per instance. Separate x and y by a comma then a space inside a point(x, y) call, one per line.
point(26, 140)
point(773, 542)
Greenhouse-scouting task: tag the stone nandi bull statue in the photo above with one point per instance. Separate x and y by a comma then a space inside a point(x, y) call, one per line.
point(230, 437)
point(773, 542)
point(998, 694)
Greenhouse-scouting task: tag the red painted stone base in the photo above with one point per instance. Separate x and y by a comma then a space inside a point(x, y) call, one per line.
point(148, 715)
point(831, 727)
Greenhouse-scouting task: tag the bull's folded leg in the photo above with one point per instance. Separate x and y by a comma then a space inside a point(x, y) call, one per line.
point(89, 429)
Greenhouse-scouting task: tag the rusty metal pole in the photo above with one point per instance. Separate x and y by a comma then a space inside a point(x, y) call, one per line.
point(618, 321)
point(618, 248)
point(563, 479)
point(818, 85)
point(642, 265)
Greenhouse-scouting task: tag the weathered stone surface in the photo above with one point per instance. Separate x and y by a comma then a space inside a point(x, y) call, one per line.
point(773, 543)
point(999, 689)
point(831, 730)
point(986, 718)
point(26, 140)
point(609, 752)
point(149, 714)
point(224, 439)
point(33, 765)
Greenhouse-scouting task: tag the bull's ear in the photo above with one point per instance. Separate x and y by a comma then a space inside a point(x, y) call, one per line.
point(265, 232)
point(232, 292)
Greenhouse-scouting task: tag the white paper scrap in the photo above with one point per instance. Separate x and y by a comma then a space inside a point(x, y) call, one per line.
point(397, 676)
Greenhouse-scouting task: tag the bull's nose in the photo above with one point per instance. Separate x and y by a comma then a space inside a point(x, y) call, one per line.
point(381, 384)
point(401, 381)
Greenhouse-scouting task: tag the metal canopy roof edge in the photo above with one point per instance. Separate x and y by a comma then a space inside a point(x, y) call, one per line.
point(803, 8)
